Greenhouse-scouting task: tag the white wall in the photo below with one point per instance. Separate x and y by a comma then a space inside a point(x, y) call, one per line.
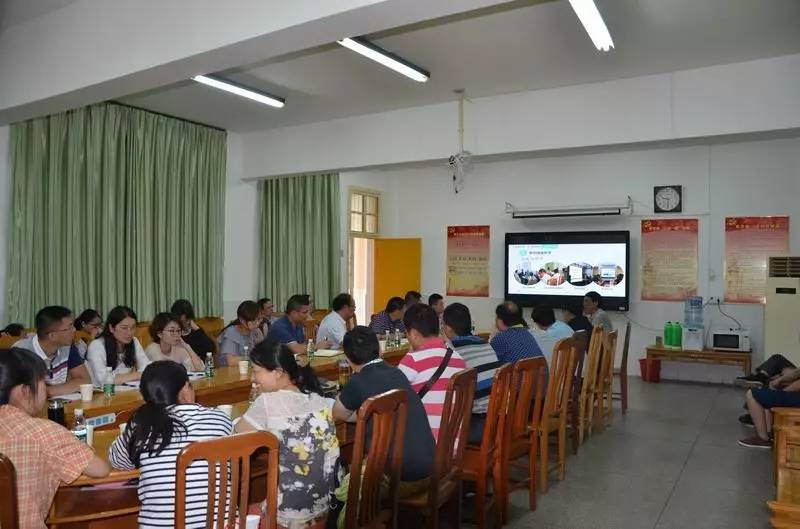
point(750, 178)
point(5, 214)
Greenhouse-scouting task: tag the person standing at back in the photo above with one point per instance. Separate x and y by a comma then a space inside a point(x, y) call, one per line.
point(479, 355)
point(597, 316)
point(53, 343)
point(428, 352)
point(513, 341)
point(333, 326)
point(548, 331)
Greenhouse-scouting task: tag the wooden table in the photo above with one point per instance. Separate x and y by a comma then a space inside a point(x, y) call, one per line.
point(707, 356)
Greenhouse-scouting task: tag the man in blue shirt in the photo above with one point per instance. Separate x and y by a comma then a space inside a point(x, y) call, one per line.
point(289, 329)
point(513, 340)
point(547, 331)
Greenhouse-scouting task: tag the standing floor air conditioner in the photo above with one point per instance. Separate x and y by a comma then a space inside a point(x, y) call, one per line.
point(782, 312)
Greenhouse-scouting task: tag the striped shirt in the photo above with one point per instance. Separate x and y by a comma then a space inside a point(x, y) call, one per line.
point(480, 356)
point(419, 366)
point(157, 472)
point(58, 367)
point(380, 323)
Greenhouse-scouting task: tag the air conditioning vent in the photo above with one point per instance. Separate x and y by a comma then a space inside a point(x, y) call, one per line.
point(784, 267)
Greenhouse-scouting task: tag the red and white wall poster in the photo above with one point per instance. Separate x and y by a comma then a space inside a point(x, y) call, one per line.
point(669, 259)
point(749, 241)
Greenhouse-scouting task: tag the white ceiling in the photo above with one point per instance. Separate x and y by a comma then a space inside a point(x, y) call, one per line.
point(15, 12)
point(527, 48)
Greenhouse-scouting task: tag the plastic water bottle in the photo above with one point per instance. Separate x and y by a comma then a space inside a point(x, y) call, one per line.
point(387, 340)
point(668, 335)
point(677, 336)
point(310, 349)
point(693, 312)
point(108, 383)
point(209, 368)
point(397, 340)
point(79, 428)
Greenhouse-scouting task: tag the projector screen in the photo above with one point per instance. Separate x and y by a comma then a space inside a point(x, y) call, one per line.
point(559, 268)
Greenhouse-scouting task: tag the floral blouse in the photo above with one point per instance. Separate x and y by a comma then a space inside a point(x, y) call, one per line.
point(308, 450)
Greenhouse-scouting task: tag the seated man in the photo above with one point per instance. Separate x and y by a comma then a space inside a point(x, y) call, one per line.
point(573, 316)
point(289, 329)
point(774, 366)
point(333, 326)
point(597, 316)
point(428, 352)
point(548, 331)
point(372, 376)
point(478, 355)
point(436, 301)
point(412, 298)
point(761, 400)
point(54, 344)
point(389, 319)
point(513, 341)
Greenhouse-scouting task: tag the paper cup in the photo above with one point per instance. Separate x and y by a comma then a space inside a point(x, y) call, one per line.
point(252, 521)
point(122, 427)
point(90, 435)
point(86, 392)
point(227, 408)
point(244, 367)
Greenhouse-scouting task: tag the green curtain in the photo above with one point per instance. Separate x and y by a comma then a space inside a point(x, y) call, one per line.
point(115, 205)
point(299, 251)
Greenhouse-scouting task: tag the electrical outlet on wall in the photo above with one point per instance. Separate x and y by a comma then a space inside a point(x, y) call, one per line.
point(713, 300)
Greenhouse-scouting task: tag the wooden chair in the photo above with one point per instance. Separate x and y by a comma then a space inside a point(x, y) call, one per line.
point(319, 314)
point(589, 380)
point(622, 372)
point(483, 464)
point(786, 508)
point(310, 328)
point(212, 326)
point(581, 345)
point(7, 342)
point(604, 387)
point(555, 410)
point(445, 480)
point(521, 437)
point(9, 517)
point(142, 334)
point(230, 458)
point(367, 507)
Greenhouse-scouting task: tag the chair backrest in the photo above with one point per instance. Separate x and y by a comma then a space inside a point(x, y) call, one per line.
point(142, 334)
point(787, 455)
point(494, 430)
point(7, 342)
point(9, 518)
point(318, 314)
point(211, 325)
point(527, 389)
point(562, 364)
point(607, 358)
point(581, 346)
point(229, 463)
point(623, 367)
point(82, 336)
point(310, 329)
point(591, 365)
point(387, 413)
point(453, 431)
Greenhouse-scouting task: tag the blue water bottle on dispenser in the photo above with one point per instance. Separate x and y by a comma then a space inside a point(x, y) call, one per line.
point(693, 331)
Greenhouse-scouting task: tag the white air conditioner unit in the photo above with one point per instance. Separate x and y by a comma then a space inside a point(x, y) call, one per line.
point(782, 311)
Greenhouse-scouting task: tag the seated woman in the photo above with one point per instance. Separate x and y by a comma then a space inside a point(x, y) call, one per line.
point(241, 335)
point(168, 344)
point(44, 453)
point(168, 420)
point(117, 348)
point(91, 323)
point(293, 409)
point(193, 335)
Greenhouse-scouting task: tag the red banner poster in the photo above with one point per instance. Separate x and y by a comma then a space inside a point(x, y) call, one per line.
point(669, 259)
point(468, 261)
point(749, 241)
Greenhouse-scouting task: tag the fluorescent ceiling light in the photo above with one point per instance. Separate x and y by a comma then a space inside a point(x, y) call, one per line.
point(228, 86)
point(593, 23)
point(388, 59)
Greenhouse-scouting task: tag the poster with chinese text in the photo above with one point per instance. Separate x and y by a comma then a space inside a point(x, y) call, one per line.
point(669, 259)
point(468, 261)
point(749, 241)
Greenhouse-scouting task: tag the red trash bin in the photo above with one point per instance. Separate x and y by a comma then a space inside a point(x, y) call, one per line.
point(650, 370)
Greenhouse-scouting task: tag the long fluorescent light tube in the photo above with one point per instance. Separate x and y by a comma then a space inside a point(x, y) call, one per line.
point(593, 23)
point(261, 97)
point(388, 59)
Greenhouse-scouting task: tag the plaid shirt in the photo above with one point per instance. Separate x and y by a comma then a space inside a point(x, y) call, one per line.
point(44, 454)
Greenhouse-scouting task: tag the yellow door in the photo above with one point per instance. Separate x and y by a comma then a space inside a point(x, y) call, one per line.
point(397, 269)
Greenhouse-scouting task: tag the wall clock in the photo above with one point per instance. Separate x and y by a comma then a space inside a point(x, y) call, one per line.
point(668, 199)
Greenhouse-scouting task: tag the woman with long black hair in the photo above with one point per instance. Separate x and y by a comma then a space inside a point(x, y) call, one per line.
point(241, 335)
point(117, 348)
point(292, 408)
point(168, 420)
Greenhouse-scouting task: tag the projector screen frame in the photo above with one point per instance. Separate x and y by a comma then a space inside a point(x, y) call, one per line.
point(621, 304)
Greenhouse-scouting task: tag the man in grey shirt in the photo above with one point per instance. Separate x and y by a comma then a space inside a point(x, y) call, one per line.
point(597, 316)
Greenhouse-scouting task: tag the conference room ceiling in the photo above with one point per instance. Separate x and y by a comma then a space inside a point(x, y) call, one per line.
point(536, 46)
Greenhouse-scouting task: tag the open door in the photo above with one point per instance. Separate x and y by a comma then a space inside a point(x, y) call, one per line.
point(397, 269)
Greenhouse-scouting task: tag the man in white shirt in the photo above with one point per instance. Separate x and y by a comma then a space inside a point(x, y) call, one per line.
point(334, 326)
point(548, 331)
point(597, 316)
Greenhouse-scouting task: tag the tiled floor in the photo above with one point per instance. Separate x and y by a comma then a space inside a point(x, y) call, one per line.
point(671, 463)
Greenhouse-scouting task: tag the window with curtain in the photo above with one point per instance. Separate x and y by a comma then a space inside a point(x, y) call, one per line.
point(115, 205)
point(300, 248)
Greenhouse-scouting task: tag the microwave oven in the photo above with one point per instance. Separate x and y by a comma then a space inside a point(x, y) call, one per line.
point(731, 340)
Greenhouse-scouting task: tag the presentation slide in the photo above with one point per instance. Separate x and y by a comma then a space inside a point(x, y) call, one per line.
point(567, 269)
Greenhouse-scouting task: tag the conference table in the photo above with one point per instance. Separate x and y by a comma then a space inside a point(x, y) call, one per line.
point(112, 502)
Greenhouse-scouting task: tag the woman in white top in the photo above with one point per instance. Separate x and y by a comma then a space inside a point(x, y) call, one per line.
point(117, 348)
point(292, 408)
point(168, 344)
point(168, 420)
